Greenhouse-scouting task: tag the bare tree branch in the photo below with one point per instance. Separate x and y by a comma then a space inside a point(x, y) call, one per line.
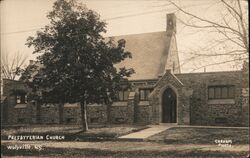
point(219, 63)
point(245, 34)
point(234, 52)
point(11, 68)
point(232, 27)
point(230, 7)
point(212, 23)
point(229, 38)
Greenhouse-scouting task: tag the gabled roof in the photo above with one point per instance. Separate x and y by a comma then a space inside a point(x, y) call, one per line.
point(168, 74)
point(150, 51)
point(149, 54)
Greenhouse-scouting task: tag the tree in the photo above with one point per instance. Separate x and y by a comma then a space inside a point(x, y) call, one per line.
point(230, 32)
point(11, 68)
point(77, 61)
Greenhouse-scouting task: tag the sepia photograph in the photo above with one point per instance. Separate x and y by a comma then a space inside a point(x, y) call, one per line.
point(124, 78)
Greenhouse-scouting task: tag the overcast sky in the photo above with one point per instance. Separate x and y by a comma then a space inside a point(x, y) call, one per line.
point(22, 18)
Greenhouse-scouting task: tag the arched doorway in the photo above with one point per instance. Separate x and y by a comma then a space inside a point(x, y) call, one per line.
point(169, 106)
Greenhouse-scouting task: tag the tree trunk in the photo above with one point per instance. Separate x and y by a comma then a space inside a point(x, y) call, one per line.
point(61, 113)
point(38, 112)
point(84, 116)
point(108, 113)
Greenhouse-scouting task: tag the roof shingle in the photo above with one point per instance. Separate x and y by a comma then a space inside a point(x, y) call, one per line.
point(149, 54)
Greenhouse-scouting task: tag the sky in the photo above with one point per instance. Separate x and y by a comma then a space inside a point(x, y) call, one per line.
point(22, 18)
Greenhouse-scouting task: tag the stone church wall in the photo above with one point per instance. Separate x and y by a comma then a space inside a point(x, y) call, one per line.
point(97, 114)
point(72, 115)
point(245, 94)
point(19, 115)
point(144, 114)
point(193, 105)
point(50, 114)
point(119, 113)
point(123, 112)
point(222, 112)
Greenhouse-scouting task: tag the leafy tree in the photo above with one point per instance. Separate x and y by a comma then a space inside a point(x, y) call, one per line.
point(77, 62)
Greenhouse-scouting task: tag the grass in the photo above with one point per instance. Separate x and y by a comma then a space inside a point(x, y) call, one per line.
point(56, 129)
point(73, 132)
point(174, 142)
point(190, 135)
point(90, 152)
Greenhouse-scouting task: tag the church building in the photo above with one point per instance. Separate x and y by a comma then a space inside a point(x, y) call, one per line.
point(159, 92)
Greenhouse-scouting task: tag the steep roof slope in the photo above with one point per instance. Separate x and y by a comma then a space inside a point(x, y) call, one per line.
point(149, 54)
point(152, 53)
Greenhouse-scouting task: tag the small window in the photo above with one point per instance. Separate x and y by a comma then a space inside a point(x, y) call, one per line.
point(224, 92)
point(217, 94)
point(21, 99)
point(231, 92)
point(211, 93)
point(221, 92)
point(18, 99)
point(123, 95)
point(144, 93)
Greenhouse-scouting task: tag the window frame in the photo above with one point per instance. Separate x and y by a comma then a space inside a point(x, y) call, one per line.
point(220, 87)
point(145, 93)
point(23, 98)
point(123, 91)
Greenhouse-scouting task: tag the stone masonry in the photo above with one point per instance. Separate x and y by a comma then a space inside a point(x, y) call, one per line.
point(193, 105)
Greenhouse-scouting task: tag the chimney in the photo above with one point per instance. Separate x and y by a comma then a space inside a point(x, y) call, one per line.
point(171, 23)
point(169, 71)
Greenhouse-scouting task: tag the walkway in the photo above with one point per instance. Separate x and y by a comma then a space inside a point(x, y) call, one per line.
point(155, 129)
point(143, 134)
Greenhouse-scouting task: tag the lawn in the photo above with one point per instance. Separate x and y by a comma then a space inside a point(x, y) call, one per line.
point(174, 142)
point(34, 129)
point(123, 149)
point(191, 135)
point(73, 132)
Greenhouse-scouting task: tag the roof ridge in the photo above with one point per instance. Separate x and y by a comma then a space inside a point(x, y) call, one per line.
point(136, 34)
